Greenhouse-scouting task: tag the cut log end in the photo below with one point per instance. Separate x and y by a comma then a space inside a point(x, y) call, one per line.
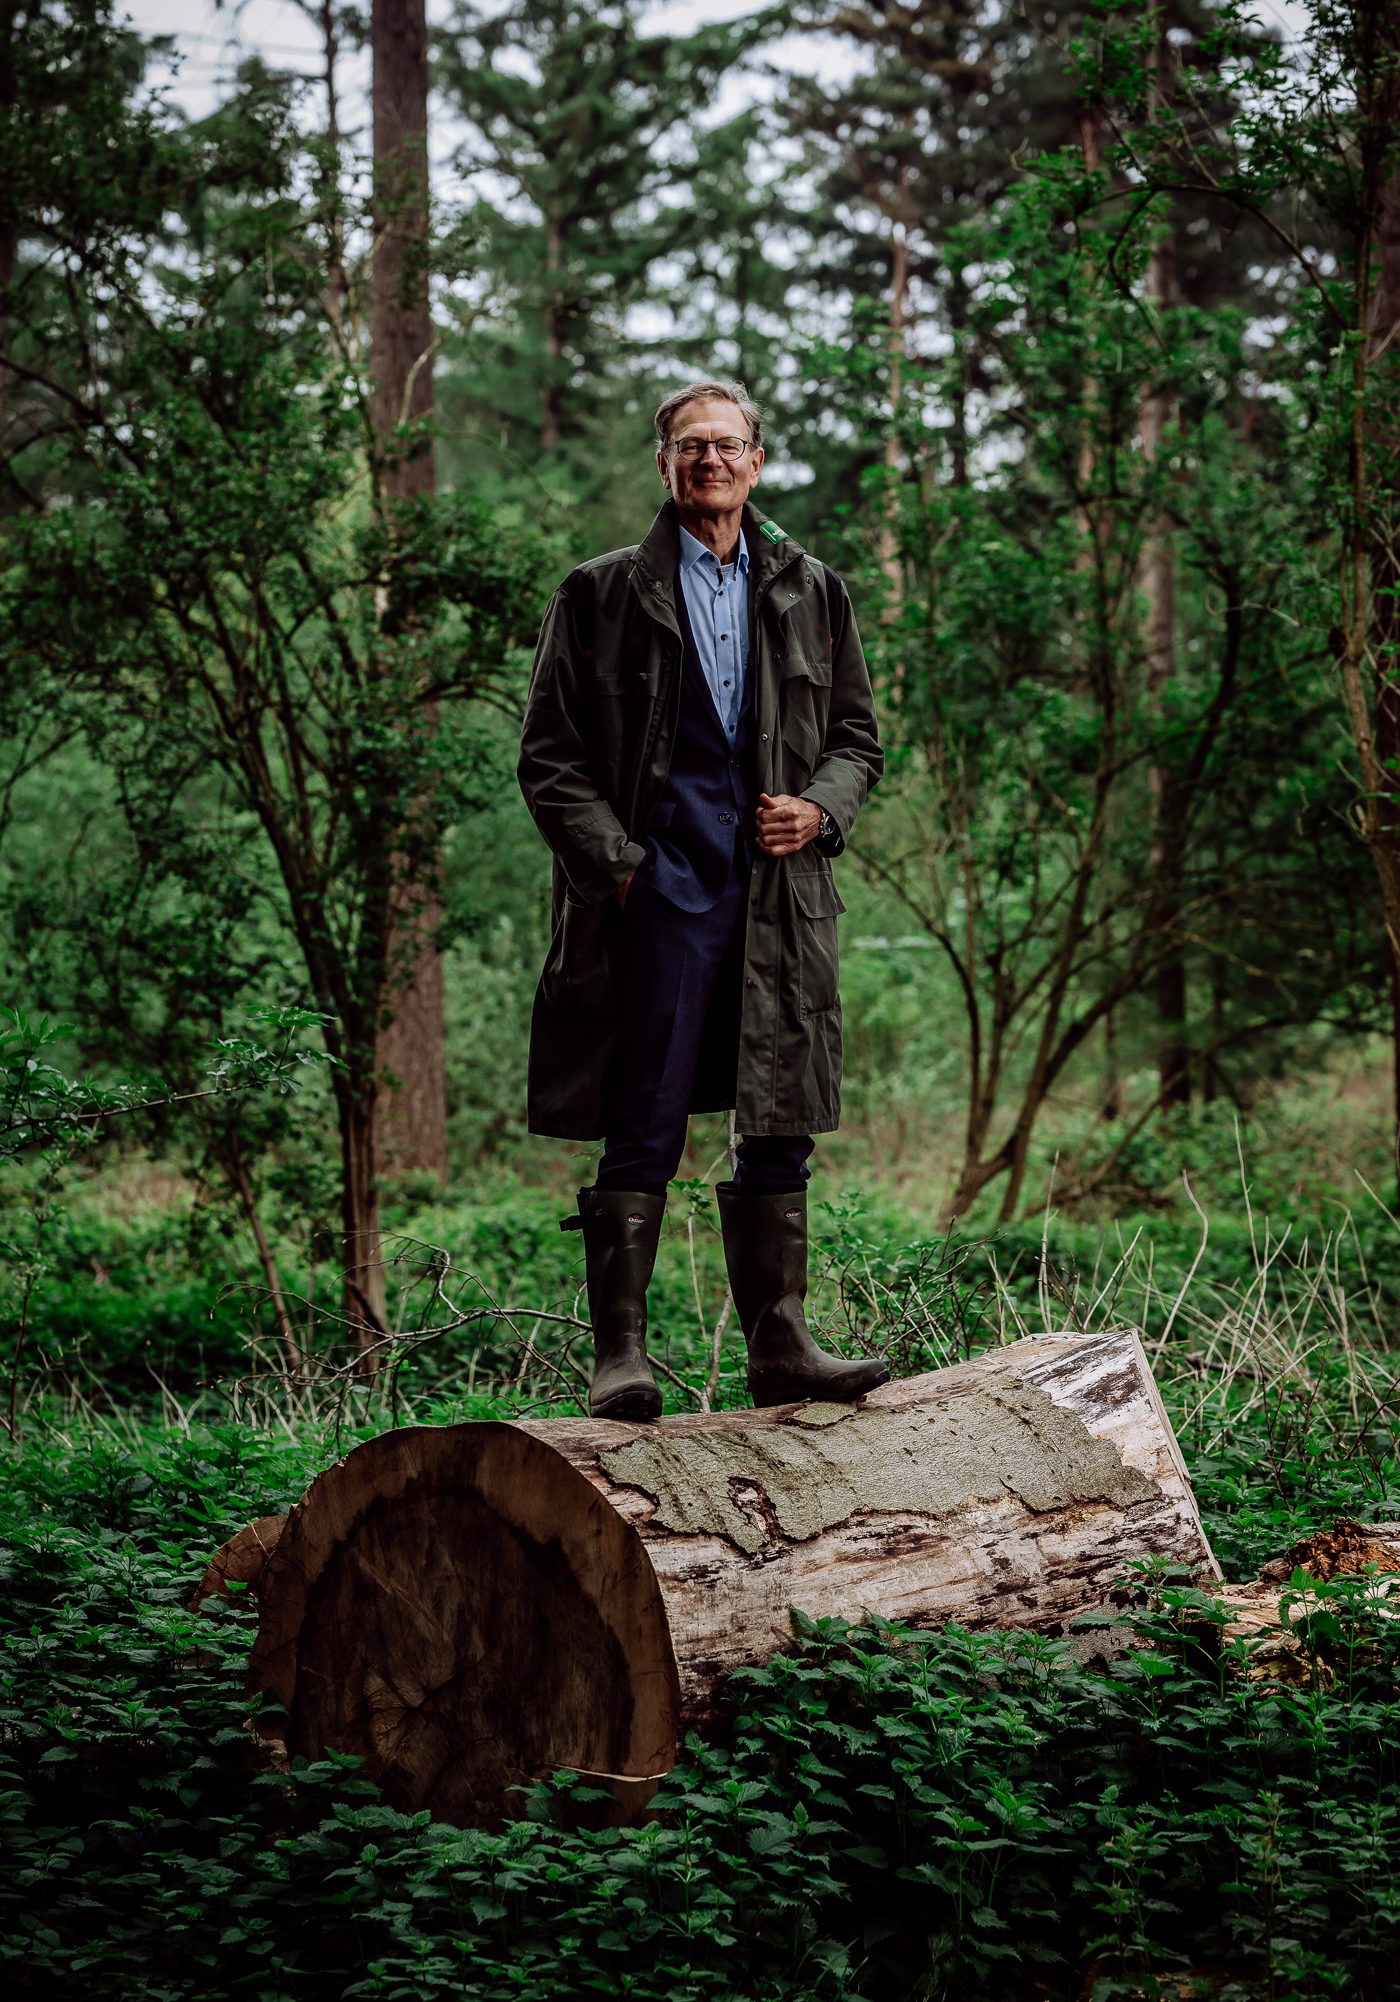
point(463, 1609)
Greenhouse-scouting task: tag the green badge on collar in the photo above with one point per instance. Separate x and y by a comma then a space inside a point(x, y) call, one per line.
point(773, 532)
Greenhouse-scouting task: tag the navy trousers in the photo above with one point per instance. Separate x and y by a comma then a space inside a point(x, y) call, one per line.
point(681, 1002)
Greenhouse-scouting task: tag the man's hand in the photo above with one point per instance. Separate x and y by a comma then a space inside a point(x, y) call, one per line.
point(786, 824)
point(622, 890)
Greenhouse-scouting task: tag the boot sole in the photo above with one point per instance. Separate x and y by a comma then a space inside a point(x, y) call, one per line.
point(640, 1405)
point(770, 1390)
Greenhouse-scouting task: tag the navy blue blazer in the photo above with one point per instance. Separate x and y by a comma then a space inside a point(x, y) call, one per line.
point(703, 825)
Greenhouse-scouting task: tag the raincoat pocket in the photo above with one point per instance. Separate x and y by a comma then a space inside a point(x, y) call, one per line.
point(818, 907)
point(579, 973)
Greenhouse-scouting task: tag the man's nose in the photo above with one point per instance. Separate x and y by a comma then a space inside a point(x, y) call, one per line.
point(709, 445)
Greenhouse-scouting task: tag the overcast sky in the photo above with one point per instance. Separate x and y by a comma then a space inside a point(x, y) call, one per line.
point(209, 39)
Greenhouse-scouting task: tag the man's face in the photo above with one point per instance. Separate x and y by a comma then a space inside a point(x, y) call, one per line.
point(709, 484)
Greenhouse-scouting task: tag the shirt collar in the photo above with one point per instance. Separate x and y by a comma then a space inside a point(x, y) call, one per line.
point(693, 551)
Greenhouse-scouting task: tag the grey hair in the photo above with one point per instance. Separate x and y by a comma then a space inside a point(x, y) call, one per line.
point(732, 392)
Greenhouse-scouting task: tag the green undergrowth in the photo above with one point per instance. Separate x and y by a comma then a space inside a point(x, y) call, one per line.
point(142, 1299)
point(882, 1814)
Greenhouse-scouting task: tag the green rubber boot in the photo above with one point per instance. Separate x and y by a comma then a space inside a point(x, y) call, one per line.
point(765, 1248)
point(621, 1228)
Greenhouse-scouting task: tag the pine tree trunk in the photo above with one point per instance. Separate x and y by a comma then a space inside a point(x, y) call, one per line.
point(1091, 145)
point(400, 323)
point(338, 279)
point(1158, 577)
point(412, 1052)
point(8, 239)
point(1112, 1106)
point(891, 562)
point(1384, 448)
point(364, 1294)
point(552, 388)
point(957, 327)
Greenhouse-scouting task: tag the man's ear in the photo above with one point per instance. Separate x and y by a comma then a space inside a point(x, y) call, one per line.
point(661, 468)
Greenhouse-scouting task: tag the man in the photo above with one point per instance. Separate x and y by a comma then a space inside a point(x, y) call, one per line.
point(698, 740)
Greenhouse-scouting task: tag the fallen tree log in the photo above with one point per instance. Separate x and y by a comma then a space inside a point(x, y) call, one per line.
point(469, 1607)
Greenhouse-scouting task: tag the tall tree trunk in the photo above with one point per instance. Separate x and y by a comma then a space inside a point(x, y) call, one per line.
point(1368, 630)
point(1091, 145)
point(1094, 536)
point(891, 564)
point(743, 304)
point(1112, 1107)
point(552, 389)
point(412, 1040)
point(7, 230)
point(1211, 1078)
point(1383, 329)
point(338, 279)
point(1158, 578)
point(957, 326)
point(364, 1290)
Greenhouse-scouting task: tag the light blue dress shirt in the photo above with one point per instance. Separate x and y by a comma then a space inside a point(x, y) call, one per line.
point(717, 600)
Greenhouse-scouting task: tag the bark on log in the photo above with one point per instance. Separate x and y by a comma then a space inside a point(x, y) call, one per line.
point(240, 1561)
point(472, 1606)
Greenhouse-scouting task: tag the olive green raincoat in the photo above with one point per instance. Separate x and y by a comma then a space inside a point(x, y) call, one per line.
point(595, 751)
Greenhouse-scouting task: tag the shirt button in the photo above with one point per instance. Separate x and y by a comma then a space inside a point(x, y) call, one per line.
point(726, 820)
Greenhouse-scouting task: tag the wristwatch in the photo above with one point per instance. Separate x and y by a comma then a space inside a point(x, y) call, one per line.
point(828, 825)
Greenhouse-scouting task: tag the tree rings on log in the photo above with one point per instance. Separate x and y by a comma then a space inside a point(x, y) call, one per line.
point(463, 1609)
point(474, 1606)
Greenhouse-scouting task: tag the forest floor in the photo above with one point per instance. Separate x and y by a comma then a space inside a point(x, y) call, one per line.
point(883, 1814)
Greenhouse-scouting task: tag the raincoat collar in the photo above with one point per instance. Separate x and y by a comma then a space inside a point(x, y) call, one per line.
point(653, 569)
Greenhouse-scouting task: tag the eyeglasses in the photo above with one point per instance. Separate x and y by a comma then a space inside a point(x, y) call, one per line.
point(696, 448)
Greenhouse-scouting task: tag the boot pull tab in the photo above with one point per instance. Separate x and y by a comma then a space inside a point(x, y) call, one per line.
point(571, 1223)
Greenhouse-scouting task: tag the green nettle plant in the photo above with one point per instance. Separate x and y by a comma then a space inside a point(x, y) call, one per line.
point(883, 1813)
point(51, 1121)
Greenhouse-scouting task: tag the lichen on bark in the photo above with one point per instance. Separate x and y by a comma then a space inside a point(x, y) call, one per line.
point(817, 1470)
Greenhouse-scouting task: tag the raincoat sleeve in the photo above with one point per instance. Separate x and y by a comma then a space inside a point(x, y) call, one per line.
point(555, 768)
point(851, 760)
